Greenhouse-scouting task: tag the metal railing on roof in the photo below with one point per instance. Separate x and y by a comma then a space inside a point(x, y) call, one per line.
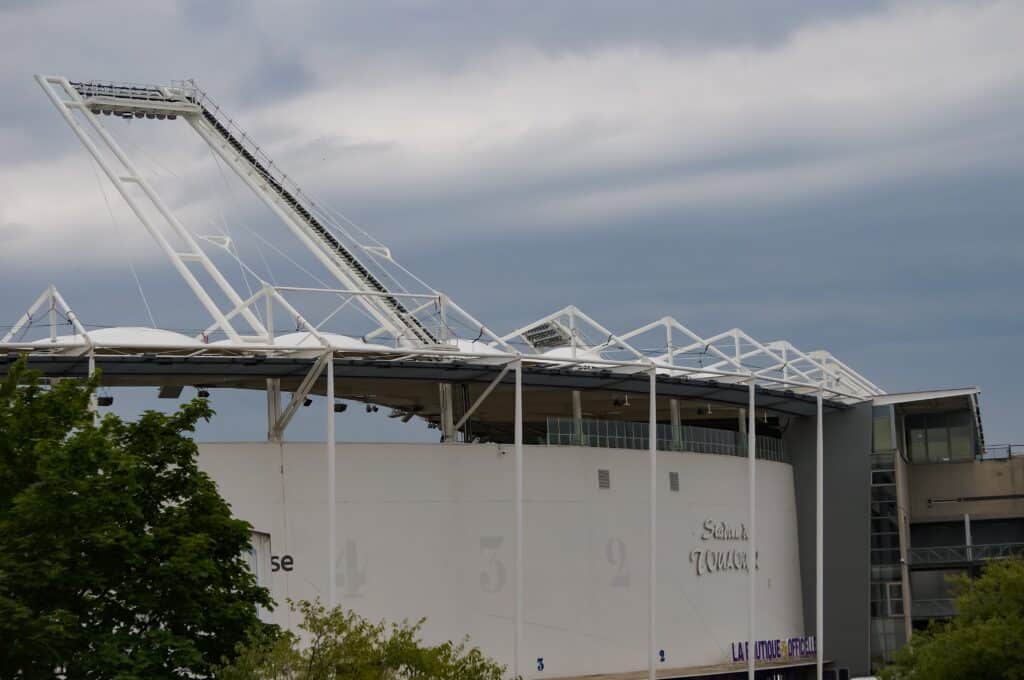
point(1002, 451)
point(963, 554)
point(618, 434)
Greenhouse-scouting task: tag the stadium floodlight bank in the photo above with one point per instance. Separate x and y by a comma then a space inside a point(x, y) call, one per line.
point(653, 501)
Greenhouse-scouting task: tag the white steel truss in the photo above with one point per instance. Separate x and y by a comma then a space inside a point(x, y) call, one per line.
point(565, 338)
point(81, 105)
point(732, 355)
point(53, 304)
point(123, 173)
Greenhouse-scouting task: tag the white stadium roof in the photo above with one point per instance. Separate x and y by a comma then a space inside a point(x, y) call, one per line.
point(408, 319)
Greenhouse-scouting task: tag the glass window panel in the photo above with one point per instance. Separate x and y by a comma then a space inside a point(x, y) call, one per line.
point(885, 541)
point(882, 428)
point(918, 446)
point(884, 525)
point(883, 477)
point(882, 461)
point(938, 443)
point(883, 508)
point(885, 556)
point(961, 442)
point(884, 493)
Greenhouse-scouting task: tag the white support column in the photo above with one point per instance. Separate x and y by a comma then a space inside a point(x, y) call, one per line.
point(268, 301)
point(518, 633)
point(903, 526)
point(93, 405)
point(677, 424)
point(752, 545)
point(819, 543)
point(577, 417)
point(53, 314)
point(967, 538)
point(273, 408)
point(652, 585)
point(447, 415)
point(332, 503)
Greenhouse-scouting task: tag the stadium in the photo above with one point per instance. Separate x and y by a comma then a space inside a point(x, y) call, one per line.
point(652, 501)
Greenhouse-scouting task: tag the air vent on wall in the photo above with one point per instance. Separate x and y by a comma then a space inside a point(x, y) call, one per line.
point(604, 479)
point(673, 481)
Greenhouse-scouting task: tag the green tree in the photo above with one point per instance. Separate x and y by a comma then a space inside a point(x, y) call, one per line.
point(118, 557)
point(985, 641)
point(341, 644)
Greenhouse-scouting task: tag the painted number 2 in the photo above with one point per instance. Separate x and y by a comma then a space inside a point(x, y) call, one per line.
point(493, 577)
point(615, 551)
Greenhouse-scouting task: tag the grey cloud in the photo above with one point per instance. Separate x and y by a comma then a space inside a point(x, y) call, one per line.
point(454, 31)
point(912, 278)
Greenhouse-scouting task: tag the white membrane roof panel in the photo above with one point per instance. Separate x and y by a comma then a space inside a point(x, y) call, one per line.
point(126, 336)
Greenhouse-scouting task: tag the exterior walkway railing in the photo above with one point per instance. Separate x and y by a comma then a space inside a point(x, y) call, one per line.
point(618, 434)
point(943, 608)
point(1002, 451)
point(963, 554)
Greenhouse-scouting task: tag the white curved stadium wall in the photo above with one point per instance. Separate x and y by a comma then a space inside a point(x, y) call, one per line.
point(428, 530)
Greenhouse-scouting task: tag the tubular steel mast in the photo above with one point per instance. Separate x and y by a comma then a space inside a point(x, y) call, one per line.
point(77, 100)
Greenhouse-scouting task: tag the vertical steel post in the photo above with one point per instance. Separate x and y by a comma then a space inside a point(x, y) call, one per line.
point(903, 525)
point(53, 313)
point(819, 543)
point(577, 417)
point(518, 633)
point(93, 405)
point(967, 538)
point(444, 391)
point(332, 503)
point(652, 585)
point(752, 545)
point(273, 408)
point(268, 298)
point(677, 425)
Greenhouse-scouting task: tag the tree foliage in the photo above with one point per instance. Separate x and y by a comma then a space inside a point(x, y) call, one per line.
point(340, 644)
point(118, 557)
point(985, 641)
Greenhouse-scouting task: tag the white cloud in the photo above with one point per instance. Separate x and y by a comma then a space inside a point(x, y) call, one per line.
point(574, 138)
point(852, 91)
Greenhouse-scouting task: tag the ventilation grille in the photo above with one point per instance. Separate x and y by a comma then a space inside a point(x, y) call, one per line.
point(673, 481)
point(604, 479)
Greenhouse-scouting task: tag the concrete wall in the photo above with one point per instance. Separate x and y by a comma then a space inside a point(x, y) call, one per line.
point(427, 530)
point(847, 436)
point(956, 480)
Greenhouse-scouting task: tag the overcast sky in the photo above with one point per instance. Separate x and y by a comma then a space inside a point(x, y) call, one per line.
point(846, 175)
